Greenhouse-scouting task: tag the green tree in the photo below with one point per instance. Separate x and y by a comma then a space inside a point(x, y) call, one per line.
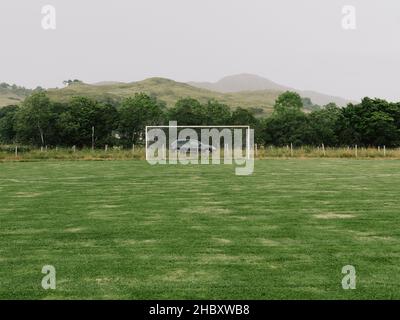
point(86, 119)
point(69, 82)
point(309, 105)
point(378, 122)
point(288, 102)
point(323, 125)
point(7, 124)
point(188, 111)
point(35, 119)
point(285, 128)
point(136, 113)
point(216, 113)
point(373, 122)
point(288, 124)
point(241, 116)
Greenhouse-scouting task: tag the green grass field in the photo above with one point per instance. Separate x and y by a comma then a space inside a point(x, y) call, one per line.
point(127, 230)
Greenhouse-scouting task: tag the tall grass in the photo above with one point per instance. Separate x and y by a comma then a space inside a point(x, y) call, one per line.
point(319, 152)
point(31, 154)
point(7, 153)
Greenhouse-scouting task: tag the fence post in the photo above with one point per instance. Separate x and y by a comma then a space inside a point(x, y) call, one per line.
point(384, 151)
point(106, 148)
point(356, 150)
point(92, 138)
point(16, 151)
point(133, 148)
point(291, 149)
point(323, 149)
point(73, 149)
point(256, 147)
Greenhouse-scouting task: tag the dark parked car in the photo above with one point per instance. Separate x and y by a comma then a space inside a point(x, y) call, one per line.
point(186, 145)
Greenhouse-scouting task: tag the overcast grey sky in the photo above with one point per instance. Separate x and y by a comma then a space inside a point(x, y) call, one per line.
point(299, 43)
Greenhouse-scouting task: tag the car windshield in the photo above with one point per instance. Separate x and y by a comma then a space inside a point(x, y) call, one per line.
point(182, 142)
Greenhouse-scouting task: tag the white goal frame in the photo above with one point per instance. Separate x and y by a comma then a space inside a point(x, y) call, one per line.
point(247, 127)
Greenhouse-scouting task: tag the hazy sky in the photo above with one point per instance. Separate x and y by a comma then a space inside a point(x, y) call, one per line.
point(299, 43)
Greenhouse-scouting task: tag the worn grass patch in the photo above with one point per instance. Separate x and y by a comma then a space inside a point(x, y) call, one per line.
point(332, 215)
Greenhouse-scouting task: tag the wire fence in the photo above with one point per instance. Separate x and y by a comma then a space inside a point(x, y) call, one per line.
point(138, 152)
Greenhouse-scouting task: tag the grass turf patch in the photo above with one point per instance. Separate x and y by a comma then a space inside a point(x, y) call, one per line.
point(128, 230)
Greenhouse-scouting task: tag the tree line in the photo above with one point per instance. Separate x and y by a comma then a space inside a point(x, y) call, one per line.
point(85, 122)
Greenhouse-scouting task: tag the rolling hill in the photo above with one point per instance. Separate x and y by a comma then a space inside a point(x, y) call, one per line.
point(166, 90)
point(12, 94)
point(244, 90)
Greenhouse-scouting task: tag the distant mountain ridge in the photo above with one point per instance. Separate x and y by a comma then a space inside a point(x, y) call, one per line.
point(240, 82)
point(250, 82)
